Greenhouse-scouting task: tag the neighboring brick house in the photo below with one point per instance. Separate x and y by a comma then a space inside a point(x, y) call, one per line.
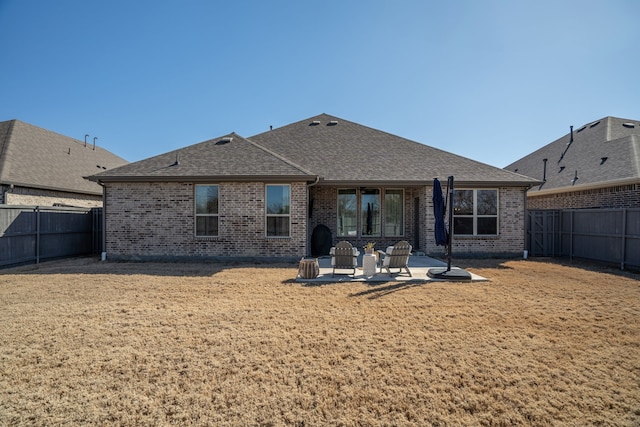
point(44, 168)
point(323, 178)
point(594, 166)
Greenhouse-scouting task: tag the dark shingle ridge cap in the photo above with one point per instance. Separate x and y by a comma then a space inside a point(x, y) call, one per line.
point(278, 156)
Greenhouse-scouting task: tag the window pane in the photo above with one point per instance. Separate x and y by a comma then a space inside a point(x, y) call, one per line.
point(463, 202)
point(487, 202)
point(488, 226)
point(278, 199)
point(462, 225)
point(394, 213)
point(370, 212)
point(347, 208)
point(278, 226)
point(207, 226)
point(206, 199)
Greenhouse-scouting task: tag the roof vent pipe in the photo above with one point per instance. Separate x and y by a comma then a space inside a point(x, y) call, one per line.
point(544, 170)
point(85, 139)
point(94, 142)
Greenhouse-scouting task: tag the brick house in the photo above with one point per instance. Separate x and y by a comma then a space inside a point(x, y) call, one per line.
point(43, 168)
point(291, 191)
point(594, 166)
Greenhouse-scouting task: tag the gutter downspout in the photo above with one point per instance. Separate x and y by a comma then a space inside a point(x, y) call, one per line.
point(103, 256)
point(308, 206)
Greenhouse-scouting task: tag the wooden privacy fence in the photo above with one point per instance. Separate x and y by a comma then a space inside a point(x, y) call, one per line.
point(30, 234)
point(605, 235)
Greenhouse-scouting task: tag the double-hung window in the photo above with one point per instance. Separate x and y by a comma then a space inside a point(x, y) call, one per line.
point(475, 212)
point(347, 212)
point(206, 210)
point(278, 210)
point(394, 212)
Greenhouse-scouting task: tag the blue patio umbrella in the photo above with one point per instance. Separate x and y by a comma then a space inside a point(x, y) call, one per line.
point(442, 237)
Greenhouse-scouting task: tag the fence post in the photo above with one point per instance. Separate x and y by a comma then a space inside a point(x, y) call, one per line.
point(37, 211)
point(623, 239)
point(571, 234)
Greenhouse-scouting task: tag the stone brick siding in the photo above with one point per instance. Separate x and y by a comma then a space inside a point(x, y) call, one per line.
point(156, 220)
point(621, 196)
point(509, 241)
point(36, 197)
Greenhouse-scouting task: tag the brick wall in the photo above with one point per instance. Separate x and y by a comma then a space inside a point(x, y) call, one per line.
point(36, 197)
point(621, 196)
point(156, 220)
point(509, 241)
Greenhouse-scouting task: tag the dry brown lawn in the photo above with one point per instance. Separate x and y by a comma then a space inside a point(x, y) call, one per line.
point(90, 343)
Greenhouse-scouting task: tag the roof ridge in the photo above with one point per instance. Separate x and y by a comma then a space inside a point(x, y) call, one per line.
point(278, 156)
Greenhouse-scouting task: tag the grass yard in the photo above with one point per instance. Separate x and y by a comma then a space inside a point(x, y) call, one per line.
point(89, 343)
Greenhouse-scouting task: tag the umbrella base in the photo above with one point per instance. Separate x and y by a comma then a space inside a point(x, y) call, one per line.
point(442, 273)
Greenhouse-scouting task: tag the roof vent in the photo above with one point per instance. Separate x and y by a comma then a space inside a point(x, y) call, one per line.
point(629, 125)
point(581, 129)
point(602, 160)
point(332, 123)
point(225, 140)
point(592, 125)
point(314, 123)
point(561, 169)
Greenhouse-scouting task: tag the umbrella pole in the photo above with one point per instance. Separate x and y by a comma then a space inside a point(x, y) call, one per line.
point(450, 195)
point(439, 272)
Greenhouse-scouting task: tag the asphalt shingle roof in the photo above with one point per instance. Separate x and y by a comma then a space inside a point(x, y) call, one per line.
point(606, 151)
point(230, 157)
point(38, 158)
point(335, 150)
point(342, 151)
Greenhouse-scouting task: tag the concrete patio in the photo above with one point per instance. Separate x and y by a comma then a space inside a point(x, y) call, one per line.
point(419, 265)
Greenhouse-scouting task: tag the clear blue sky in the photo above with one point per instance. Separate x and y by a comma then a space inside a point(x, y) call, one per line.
point(490, 80)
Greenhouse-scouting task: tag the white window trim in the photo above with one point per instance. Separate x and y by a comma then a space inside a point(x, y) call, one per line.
point(196, 214)
point(267, 215)
point(475, 215)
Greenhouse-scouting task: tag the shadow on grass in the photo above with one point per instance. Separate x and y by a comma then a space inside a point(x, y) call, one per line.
point(381, 291)
point(93, 265)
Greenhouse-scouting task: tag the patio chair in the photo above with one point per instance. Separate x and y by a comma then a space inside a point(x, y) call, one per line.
point(344, 257)
point(396, 256)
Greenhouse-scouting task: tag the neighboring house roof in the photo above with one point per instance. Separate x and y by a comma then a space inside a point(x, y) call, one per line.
point(38, 158)
point(324, 147)
point(227, 158)
point(602, 153)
